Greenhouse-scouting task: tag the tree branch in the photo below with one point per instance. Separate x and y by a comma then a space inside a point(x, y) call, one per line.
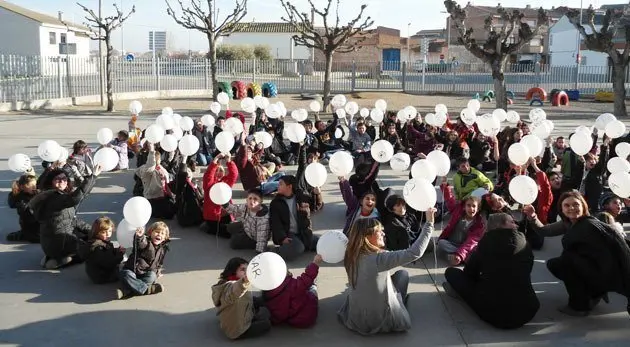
point(108, 24)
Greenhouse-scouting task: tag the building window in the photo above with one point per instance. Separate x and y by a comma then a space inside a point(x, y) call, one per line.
point(62, 38)
point(52, 38)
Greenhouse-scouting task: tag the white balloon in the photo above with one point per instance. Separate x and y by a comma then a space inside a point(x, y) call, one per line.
point(169, 143)
point(49, 150)
point(104, 136)
point(258, 101)
point(381, 105)
point(411, 112)
point(602, 121)
point(542, 129)
point(585, 129)
point(176, 118)
point(125, 233)
point(215, 108)
point(615, 129)
point(441, 108)
point(512, 117)
point(382, 151)
point(223, 98)
point(248, 105)
point(440, 119)
point(377, 115)
point(474, 105)
point(316, 174)
point(295, 132)
point(619, 183)
point(468, 116)
point(107, 158)
point(167, 110)
point(63, 154)
point(341, 163)
point(265, 103)
point(315, 106)
point(272, 111)
point(518, 153)
point(19, 162)
point(338, 133)
point(441, 161)
point(479, 193)
point(424, 169)
point(135, 107)
point(500, 114)
point(264, 138)
point(220, 193)
point(400, 161)
point(178, 133)
point(402, 116)
point(299, 115)
point(419, 194)
point(534, 144)
point(339, 100)
point(154, 133)
point(488, 124)
point(186, 123)
point(282, 109)
point(581, 143)
point(137, 211)
point(208, 120)
point(341, 113)
point(429, 118)
point(167, 122)
point(332, 246)
point(266, 271)
point(618, 164)
point(224, 141)
point(189, 145)
point(234, 125)
point(364, 112)
point(523, 189)
point(352, 108)
point(623, 149)
point(537, 115)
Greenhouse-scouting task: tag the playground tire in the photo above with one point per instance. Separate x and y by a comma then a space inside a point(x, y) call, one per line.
point(239, 90)
point(269, 90)
point(253, 89)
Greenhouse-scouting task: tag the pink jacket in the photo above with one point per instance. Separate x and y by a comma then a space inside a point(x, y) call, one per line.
point(292, 302)
point(457, 210)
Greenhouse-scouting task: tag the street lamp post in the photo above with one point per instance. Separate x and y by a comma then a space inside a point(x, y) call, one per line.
point(408, 44)
point(448, 36)
point(577, 56)
point(100, 53)
point(122, 35)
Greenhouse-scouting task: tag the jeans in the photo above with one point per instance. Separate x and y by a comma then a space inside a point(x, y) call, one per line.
point(447, 246)
point(203, 159)
point(271, 185)
point(261, 324)
point(295, 248)
point(400, 280)
point(139, 284)
point(580, 295)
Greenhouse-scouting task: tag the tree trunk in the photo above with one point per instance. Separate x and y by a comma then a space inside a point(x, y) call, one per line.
point(327, 74)
point(619, 86)
point(499, 83)
point(108, 74)
point(212, 54)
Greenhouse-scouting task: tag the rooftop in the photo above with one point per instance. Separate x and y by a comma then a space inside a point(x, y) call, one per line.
point(38, 17)
point(269, 27)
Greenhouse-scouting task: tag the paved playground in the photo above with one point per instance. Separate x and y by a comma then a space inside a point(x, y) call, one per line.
point(63, 308)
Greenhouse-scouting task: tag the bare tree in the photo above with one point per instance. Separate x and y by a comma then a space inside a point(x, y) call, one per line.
point(196, 17)
point(101, 29)
point(514, 33)
point(602, 40)
point(329, 39)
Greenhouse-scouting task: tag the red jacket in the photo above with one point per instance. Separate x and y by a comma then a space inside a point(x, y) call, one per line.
point(250, 174)
point(229, 114)
point(212, 211)
point(292, 302)
point(458, 210)
point(545, 197)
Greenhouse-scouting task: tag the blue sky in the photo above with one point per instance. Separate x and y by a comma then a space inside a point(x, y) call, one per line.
point(151, 15)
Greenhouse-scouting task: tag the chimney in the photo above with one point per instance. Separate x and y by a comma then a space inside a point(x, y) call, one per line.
point(313, 16)
point(60, 16)
point(528, 6)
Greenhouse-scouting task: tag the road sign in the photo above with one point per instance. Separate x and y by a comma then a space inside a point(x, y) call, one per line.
point(129, 57)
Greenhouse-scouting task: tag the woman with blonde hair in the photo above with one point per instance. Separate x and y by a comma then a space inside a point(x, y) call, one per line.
point(376, 299)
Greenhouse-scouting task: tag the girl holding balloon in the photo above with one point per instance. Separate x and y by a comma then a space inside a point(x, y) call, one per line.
point(216, 219)
point(240, 316)
point(101, 257)
point(358, 208)
point(376, 300)
point(22, 192)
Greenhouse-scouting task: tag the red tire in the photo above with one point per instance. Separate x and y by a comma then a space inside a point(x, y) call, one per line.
point(539, 92)
point(239, 89)
point(560, 99)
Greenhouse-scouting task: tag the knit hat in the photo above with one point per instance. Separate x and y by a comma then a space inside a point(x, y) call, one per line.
point(605, 198)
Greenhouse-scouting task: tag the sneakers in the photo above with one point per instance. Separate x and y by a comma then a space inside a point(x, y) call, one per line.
point(15, 236)
point(122, 294)
point(155, 288)
point(571, 312)
point(52, 264)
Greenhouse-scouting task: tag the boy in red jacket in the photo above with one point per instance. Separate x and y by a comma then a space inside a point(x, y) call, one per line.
point(295, 301)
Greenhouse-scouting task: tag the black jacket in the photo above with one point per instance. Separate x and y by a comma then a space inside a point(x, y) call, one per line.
point(401, 231)
point(101, 261)
point(594, 180)
point(188, 200)
point(500, 268)
point(206, 140)
point(146, 256)
point(316, 202)
point(28, 224)
point(279, 219)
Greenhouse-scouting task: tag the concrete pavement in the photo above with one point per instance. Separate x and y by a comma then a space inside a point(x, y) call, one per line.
point(62, 308)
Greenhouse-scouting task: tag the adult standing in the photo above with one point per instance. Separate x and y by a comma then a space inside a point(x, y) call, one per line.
point(376, 300)
point(55, 209)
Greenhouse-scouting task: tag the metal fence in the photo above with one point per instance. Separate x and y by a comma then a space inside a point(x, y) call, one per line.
point(42, 78)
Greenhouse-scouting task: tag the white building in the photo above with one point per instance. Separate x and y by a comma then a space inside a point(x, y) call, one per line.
point(278, 36)
point(563, 45)
point(36, 40)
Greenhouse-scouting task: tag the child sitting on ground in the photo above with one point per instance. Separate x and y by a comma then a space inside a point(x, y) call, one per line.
point(252, 229)
point(102, 258)
point(144, 265)
point(22, 191)
point(240, 316)
point(295, 301)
